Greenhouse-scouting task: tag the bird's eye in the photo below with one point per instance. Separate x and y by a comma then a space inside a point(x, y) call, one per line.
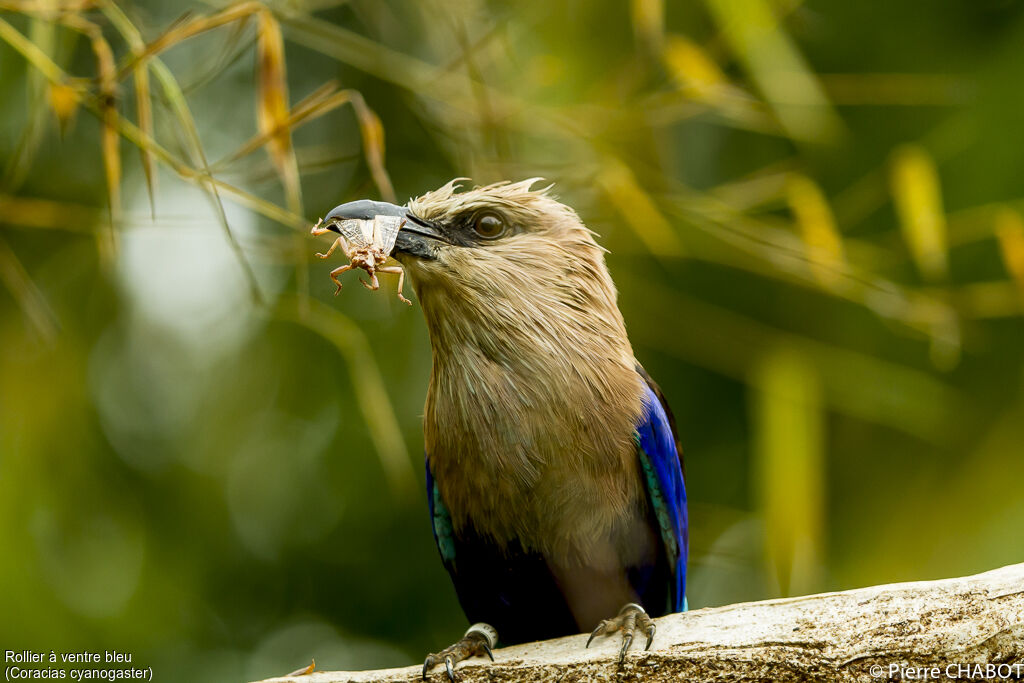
point(489, 226)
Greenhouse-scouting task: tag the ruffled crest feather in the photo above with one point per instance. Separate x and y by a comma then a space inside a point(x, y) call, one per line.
point(515, 199)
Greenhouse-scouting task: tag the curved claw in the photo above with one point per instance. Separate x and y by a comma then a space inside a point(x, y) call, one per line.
point(448, 669)
point(487, 649)
point(650, 637)
point(596, 632)
point(428, 664)
point(627, 640)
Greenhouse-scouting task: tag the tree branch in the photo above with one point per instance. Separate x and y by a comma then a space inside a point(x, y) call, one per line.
point(875, 633)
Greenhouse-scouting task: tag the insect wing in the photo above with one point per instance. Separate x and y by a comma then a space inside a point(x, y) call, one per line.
point(385, 232)
point(357, 232)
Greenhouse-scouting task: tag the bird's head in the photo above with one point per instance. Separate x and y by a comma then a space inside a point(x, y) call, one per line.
point(502, 264)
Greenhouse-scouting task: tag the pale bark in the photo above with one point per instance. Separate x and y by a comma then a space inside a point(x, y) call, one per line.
point(856, 635)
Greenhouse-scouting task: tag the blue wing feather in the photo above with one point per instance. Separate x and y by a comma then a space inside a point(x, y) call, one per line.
point(440, 522)
point(663, 475)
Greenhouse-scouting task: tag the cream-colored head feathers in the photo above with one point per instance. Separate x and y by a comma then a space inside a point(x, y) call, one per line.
point(517, 199)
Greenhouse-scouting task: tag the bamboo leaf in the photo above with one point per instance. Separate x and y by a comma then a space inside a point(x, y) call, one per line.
point(692, 68)
point(789, 452)
point(184, 29)
point(915, 189)
point(1010, 233)
point(638, 210)
point(49, 8)
point(45, 213)
point(64, 101)
point(32, 302)
point(818, 229)
point(316, 104)
point(41, 38)
point(110, 140)
point(272, 106)
point(143, 103)
point(649, 23)
point(372, 132)
point(775, 64)
point(144, 110)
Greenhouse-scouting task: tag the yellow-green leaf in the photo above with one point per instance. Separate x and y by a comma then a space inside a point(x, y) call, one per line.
point(272, 106)
point(64, 100)
point(638, 209)
point(1010, 233)
point(649, 22)
point(789, 452)
point(918, 197)
point(817, 228)
point(691, 67)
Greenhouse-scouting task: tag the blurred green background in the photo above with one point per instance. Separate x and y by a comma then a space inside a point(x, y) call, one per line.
point(210, 462)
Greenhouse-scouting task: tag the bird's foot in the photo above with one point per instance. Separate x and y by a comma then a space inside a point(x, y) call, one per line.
point(631, 619)
point(480, 639)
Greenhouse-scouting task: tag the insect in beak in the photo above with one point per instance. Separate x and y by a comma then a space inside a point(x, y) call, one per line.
point(367, 242)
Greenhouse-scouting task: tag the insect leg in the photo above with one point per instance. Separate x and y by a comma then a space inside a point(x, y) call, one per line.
point(318, 230)
point(373, 284)
point(336, 272)
point(331, 250)
point(401, 279)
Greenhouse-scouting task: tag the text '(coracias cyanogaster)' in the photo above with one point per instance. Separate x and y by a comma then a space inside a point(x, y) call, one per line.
point(554, 475)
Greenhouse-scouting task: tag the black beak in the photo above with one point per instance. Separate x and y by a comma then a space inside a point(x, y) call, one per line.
point(364, 209)
point(415, 237)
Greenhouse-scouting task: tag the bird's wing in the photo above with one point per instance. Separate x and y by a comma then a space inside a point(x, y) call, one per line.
point(661, 460)
point(440, 522)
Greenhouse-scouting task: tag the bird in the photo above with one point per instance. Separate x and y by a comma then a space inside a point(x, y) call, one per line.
point(554, 475)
